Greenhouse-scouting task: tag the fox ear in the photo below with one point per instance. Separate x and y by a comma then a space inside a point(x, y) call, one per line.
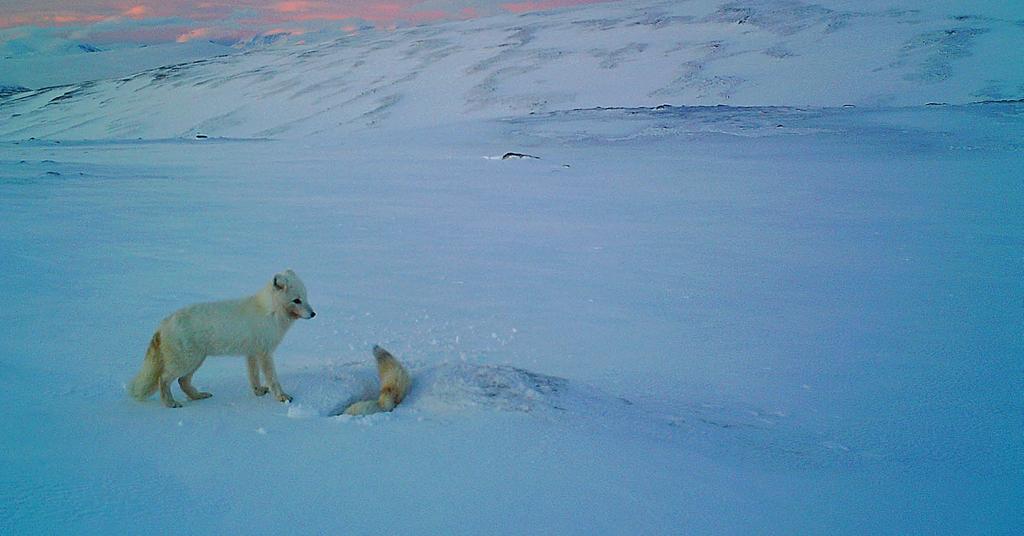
point(280, 281)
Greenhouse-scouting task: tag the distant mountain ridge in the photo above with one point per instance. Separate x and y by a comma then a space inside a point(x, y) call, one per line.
point(7, 91)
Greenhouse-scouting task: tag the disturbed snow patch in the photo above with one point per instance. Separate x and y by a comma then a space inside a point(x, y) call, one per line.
point(445, 388)
point(442, 390)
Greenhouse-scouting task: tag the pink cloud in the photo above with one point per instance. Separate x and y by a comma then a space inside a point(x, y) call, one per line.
point(195, 33)
point(221, 17)
point(523, 7)
point(295, 6)
point(55, 13)
point(382, 13)
point(49, 19)
point(136, 12)
point(183, 9)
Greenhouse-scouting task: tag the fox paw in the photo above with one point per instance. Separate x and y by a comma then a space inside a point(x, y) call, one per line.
point(284, 398)
point(260, 391)
point(201, 395)
point(173, 404)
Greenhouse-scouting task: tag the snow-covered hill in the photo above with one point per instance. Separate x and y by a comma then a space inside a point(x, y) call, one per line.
point(631, 54)
point(44, 70)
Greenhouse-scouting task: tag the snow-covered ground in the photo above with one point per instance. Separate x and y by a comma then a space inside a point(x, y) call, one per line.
point(685, 319)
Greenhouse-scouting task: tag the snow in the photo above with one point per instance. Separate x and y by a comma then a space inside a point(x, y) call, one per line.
point(770, 318)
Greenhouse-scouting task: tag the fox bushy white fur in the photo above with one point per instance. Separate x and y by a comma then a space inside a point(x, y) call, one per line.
point(394, 385)
point(251, 326)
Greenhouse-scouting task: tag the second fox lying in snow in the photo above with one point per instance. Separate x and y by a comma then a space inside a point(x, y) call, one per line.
point(394, 385)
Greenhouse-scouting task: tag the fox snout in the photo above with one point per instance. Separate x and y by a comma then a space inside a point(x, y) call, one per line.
point(300, 311)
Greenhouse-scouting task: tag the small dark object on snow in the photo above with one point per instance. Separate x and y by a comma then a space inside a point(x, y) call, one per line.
point(508, 156)
point(201, 136)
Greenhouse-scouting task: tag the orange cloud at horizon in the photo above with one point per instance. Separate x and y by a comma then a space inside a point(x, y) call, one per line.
point(381, 13)
point(195, 19)
point(294, 6)
point(49, 19)
point(523, 7)
point(195, 33)
point(136, 12)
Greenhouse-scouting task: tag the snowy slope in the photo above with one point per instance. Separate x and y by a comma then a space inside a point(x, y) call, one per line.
point(774, 319)
point(701, 52)
point(47, 70)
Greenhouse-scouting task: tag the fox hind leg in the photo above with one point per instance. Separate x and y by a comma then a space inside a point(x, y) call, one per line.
point(180, 367)
point(165, 393)
point(190, 391)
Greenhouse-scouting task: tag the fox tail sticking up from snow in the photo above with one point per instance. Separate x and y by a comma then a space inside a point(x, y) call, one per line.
point(394, 385)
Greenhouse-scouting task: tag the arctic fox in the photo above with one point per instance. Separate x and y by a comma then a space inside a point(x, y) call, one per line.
point(252, 327)
point(394, 385)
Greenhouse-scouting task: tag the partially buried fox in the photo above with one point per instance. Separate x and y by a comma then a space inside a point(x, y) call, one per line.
point(394, 385)
point(251, 326)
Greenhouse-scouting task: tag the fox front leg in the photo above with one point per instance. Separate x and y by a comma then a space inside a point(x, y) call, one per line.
point(267, 364)
point(254, 376)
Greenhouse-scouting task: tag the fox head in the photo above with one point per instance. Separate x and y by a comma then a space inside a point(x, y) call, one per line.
point(290, 295)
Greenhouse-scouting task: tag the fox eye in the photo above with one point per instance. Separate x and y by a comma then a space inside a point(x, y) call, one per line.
point(297, 301)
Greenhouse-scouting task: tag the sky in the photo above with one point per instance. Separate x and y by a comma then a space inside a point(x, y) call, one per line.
point(101, 22)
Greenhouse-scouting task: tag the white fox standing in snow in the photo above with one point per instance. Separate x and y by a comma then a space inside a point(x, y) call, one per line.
point(252, 327)
point(394, 385)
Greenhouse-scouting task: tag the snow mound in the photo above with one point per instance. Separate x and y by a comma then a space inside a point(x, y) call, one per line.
point(446, 390)
point(448, 387)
